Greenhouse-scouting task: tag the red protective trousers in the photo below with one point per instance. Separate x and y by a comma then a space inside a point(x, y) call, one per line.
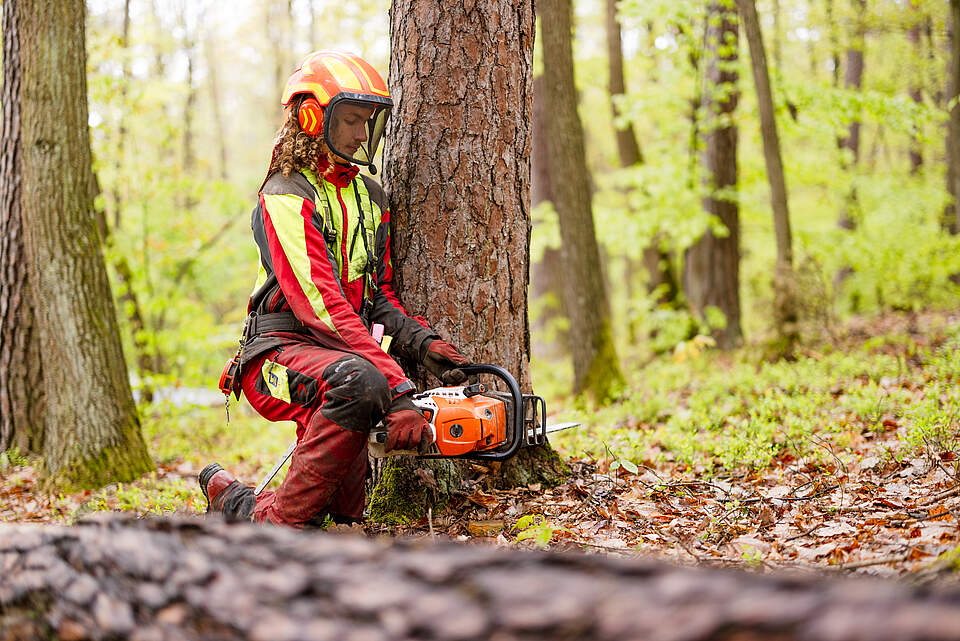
point(335, 398)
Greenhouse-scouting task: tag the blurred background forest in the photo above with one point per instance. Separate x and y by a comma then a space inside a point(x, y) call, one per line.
point(183, 107)
point(846, 451)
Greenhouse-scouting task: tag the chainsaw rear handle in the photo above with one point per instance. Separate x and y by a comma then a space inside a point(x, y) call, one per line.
point(514, 427)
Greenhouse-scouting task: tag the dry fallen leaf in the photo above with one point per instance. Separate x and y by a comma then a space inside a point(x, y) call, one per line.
point(485, 528)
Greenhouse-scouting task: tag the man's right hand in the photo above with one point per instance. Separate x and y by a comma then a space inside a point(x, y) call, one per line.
point(407, 429)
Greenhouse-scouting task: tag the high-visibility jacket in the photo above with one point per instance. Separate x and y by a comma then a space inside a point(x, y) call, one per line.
point(324, 245)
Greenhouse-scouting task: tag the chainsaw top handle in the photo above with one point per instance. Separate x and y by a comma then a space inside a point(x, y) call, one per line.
point(514, 427)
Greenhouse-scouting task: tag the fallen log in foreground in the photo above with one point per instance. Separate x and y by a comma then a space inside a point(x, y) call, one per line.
point(195, 579)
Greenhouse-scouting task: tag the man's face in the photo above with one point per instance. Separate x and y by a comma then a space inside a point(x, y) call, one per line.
point(349, 127)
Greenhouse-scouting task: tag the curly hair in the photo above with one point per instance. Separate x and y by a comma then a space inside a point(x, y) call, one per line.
point(294, 150)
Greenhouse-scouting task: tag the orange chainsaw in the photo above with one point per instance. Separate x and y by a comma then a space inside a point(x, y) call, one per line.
point(474, 421)
point(477, 421)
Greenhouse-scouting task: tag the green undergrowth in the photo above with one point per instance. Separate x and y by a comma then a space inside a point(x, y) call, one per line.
point(182, 441)
point(199, 435)
point(716, 413)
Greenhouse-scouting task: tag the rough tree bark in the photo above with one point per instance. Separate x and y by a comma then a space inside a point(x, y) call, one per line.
point(951, 217)
point(711, 271)
point(91, 432)
point(596, 369)
point(457, 172)
point(655, 261)
point(21, 389)
point(189, 579)
point(785, 305)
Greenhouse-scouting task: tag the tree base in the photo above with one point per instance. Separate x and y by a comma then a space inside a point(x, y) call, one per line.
point(116, 464)
point(407, 486)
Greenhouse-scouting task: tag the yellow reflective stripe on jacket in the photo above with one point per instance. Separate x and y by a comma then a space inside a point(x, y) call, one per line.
point(327, 197)
point(275, 378)
point(261, 272)
point(284, 211)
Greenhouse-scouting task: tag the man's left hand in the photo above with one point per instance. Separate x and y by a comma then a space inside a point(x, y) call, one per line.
point(442, 360)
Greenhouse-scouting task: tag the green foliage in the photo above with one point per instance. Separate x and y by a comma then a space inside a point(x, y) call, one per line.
point(897, 258)
point(12, 458)
point(150, 496)
point(721, 414)
point(534, 527)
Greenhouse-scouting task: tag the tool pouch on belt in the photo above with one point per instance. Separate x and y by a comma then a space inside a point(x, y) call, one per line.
point(253, 343)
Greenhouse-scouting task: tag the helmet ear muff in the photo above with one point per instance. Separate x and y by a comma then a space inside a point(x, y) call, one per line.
point(310, 116)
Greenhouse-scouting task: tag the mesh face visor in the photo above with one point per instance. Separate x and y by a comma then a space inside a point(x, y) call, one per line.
point(354, 125)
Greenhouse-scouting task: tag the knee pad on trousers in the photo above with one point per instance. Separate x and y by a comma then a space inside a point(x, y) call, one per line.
point(358, 394)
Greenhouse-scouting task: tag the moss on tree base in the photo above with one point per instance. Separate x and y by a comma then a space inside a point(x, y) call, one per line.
point(603, 381)
point(408, 486)
point(114, 464)
point(402, 496)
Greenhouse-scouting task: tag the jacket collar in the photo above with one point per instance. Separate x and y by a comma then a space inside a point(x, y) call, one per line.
point(335, 173)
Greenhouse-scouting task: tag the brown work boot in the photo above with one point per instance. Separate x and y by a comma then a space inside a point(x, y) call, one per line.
point(225, 494)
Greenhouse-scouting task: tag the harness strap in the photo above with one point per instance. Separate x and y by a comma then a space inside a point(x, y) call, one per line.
point(276, 322)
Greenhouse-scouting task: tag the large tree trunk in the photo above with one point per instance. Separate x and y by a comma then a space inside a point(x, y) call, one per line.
point(852, 80)
point(21, 388)
point(91, 433)
point(951, 218)
point(596, 368)
point(785, 307)
point(711, 271)
point(457, 173)
point(196, 580)
point(656, 261)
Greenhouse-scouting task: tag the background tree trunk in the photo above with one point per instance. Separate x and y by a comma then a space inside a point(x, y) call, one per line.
point(143, 343)
point(951, 218)
point(627, 147)
point(457, 172)
point(711, 271)
point(834, 38)
point(90, 425)
point(785, 307)
point(596, 369)
point(916, 85)
point(853, 80)
point(656, 262)
point(546, 282)
point(21, 389)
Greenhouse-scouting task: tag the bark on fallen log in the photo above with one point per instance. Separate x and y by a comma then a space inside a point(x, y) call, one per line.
point(180, 579)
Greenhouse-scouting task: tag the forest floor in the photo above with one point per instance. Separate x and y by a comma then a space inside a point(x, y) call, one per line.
point(844, 458)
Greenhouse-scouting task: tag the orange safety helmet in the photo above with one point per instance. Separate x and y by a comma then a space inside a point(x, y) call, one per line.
point(335, 93)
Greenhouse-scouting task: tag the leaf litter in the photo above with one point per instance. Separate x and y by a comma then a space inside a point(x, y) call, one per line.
point(872, 494)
